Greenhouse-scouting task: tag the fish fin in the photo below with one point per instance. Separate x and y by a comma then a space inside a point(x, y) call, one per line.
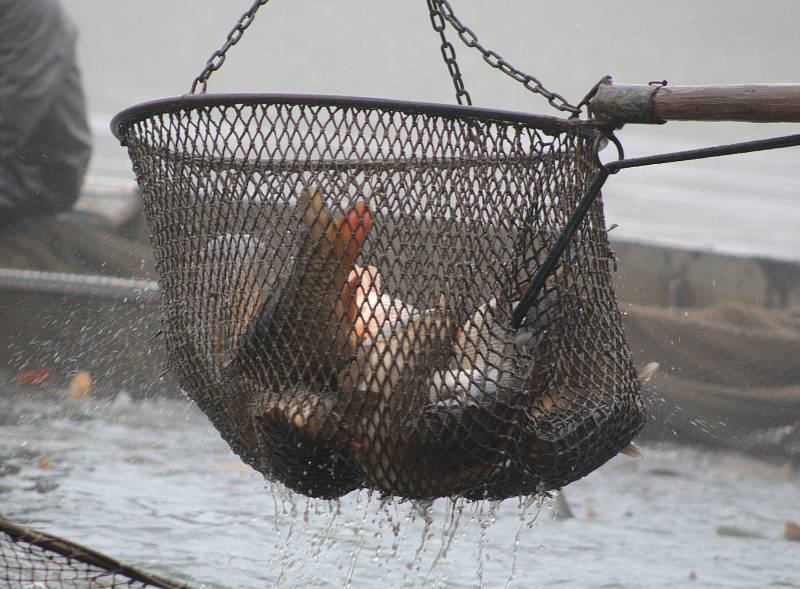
point(632, 450)
point(361, 282)
point(347, 307)
point(350, 292)
point(318, 223)
point(647, 372)
point(349, 233)
point(316, 216)
point(550, 281)
point(555, 275)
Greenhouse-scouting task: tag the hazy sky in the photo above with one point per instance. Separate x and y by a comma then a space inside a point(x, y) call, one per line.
point(134, 51)
point(137, 50)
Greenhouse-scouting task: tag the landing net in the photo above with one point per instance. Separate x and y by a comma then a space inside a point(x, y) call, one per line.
point(338, 278)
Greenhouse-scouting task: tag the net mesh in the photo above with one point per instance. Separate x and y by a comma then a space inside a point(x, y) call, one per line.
point(34, 560)
point(338, 278)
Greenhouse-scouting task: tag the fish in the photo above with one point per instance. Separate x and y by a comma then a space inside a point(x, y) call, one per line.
point(383, 386)
point(394, 345)
point(487, 351)
point(648, 371)
point(290, 336)
point(307, 324)
point(404, 359)
point(236, 256)
point(371, 310)
point(322, 288)
point(80, 385)
point(387, 338)
point(484, 359)
point(392, 351)
point(36, 377)
point(632, 451)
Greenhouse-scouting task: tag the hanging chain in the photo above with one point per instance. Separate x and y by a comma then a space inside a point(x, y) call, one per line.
point(440, 11)
point(218, 57)
point(448, 53)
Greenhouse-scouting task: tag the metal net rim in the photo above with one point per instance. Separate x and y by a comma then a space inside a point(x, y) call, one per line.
point(551, 125)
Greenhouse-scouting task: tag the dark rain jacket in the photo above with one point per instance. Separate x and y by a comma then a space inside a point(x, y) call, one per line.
point(44, 135)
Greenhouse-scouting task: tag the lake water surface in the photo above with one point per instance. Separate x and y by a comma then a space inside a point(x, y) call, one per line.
point(151, 483)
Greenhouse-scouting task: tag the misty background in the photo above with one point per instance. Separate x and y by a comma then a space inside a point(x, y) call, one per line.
point(150, 481)
point(137, 51)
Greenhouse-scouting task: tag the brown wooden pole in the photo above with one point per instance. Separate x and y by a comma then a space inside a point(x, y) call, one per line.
point(759, 103)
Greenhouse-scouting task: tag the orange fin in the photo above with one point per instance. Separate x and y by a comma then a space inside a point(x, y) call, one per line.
point(350, 232)
point(317, 218)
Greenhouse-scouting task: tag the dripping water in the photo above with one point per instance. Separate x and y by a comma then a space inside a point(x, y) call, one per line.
point(123, 494)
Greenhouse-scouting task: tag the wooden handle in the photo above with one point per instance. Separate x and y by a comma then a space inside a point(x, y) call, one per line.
point(758, 103)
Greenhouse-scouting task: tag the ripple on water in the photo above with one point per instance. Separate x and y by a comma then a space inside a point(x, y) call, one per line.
point(154, 485)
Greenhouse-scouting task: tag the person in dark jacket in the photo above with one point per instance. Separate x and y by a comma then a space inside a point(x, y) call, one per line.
point(45, 142)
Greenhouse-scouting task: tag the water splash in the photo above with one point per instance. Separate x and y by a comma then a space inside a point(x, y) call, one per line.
point(424, 509)
point(485, 520)
point(284, 554)
point(525, 521)
point(449, 529)
point(385, 529)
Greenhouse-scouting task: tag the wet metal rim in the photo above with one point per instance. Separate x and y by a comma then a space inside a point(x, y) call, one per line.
point(138, 112)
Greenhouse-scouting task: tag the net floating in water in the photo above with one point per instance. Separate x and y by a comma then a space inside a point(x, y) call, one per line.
point(338, 278)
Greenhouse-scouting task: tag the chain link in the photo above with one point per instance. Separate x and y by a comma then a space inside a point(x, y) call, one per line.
point(441, 11)
point(218, 57)
point(448, 53)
